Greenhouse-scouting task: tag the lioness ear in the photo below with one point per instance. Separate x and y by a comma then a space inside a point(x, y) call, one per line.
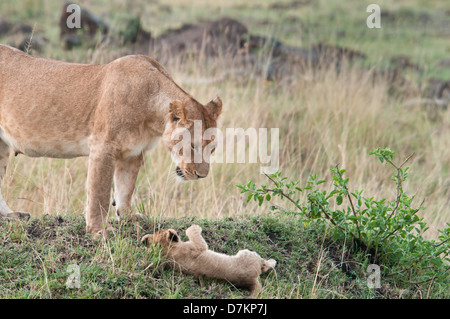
point(177, 112)
point(214, 107)
point(172, 235)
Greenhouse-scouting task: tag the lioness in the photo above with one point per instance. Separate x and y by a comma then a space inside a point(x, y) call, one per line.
point(112, 113)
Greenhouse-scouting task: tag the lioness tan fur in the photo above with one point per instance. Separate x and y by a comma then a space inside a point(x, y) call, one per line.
point(194, 258)
point(112, 113)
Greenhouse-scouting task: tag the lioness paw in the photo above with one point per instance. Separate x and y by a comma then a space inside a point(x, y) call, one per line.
point(19, 215)
point(99, 235)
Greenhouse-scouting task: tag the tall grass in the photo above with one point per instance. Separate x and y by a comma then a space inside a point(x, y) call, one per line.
point(325, 116)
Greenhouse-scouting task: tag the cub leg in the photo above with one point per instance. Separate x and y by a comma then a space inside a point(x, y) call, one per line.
point(255, 288)
point(5, 211)
point(194, 233)
point(125, 175)
point(99, 182)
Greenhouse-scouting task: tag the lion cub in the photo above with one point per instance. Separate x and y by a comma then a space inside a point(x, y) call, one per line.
point(194, 258)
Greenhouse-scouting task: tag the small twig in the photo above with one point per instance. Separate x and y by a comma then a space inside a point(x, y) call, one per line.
point(399, 184)
point(281, 192)
point(440, 244)
point(351, 202)
point(332, 221)
point(429, 286)
point(29, 43)
point(151, 264)
point(395, 230)
point(391, 233)
point(419, 282)
point(44, 269)
point(407, 159)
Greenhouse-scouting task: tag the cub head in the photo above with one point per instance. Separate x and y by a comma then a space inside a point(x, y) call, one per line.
point(189, 135)
point(166, 238)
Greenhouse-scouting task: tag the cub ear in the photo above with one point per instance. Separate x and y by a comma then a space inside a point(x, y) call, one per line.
point(214, 107)
point(177, 113)
point(172, 235)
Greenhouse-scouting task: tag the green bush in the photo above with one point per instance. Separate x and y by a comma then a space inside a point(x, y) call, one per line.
point(389, 233)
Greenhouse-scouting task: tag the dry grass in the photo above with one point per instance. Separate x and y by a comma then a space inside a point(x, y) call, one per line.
point(325, 117)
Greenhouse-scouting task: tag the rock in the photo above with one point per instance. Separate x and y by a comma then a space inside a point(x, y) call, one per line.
point(90, 26)
point(219, 37)
point(403, 62)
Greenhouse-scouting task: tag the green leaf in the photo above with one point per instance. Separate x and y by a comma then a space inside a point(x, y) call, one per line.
point(339, 200)
point(260, 200)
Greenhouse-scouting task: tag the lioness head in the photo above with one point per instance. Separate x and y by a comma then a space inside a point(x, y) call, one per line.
point(189, 135)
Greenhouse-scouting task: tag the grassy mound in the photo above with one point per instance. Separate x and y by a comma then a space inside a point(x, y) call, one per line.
point(35, 259)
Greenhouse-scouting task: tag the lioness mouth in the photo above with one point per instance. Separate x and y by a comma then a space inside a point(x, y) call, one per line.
point(179, 172)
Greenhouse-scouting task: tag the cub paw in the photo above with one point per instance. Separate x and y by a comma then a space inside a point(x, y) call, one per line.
point(194, 229)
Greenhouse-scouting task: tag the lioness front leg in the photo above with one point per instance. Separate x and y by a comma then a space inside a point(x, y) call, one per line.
point(5, 211)
point(125, 175)
point(99, 181)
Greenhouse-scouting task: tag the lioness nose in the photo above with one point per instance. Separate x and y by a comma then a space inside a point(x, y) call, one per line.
point(199, 176)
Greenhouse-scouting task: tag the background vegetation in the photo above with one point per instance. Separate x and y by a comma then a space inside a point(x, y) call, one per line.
point(326, 116)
